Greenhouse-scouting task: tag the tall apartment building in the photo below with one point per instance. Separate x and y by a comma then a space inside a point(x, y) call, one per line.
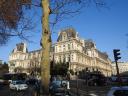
point(81, 54)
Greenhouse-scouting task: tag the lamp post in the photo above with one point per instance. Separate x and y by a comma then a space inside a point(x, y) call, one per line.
point(87, 77)
point(69, 48)
point(87, 73)
point(77, 86)
point(69, 61)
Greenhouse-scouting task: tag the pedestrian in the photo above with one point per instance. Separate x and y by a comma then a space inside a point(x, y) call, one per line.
point(37, 88)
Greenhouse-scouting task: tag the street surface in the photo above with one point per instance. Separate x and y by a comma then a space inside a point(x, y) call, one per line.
point(77, 88)
point(90, 91)
point(81, 89)
point(5, 91)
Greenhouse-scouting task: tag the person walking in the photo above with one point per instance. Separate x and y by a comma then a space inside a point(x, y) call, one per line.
point(37, 88)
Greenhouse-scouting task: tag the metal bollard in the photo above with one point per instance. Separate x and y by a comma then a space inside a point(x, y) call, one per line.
point(68, 86)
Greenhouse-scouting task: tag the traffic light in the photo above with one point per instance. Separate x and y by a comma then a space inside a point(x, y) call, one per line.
point(116, 54)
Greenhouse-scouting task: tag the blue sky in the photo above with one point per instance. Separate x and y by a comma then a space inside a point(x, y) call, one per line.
point(106, 27)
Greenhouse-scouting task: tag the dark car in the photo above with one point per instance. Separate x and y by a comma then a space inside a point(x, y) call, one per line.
point(118, 91)
point(31, 81)
point(58, 88)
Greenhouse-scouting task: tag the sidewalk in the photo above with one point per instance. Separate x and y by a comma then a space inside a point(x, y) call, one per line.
point(75, 92)
point(87, 92)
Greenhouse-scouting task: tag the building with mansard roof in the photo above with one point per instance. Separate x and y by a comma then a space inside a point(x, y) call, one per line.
point(20, 60)
point(81, 54)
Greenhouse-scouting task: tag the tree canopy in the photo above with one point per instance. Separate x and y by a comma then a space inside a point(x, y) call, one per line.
point(59, 69)
point(13, 21)
point(11, 16)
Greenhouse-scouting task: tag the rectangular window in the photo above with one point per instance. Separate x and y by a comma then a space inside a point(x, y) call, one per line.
point(72, 57)
point(59, 48)
point(60, 58)
point(72, 46)
point(64, 37)
point(63, 47)
point(69, 58)
point(68, 46)
point(55, 48)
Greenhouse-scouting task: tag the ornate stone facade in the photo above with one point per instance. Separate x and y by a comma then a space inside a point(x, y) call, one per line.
point(80, 53)
point(22, 60)
point(123, 67)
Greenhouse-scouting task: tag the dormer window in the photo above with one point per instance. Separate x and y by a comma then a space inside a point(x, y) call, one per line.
point(64, 37)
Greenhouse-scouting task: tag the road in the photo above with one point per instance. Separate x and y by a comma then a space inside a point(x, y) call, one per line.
point(89, 91)
point(79, 88)
point(5, 91)
point(82, 90)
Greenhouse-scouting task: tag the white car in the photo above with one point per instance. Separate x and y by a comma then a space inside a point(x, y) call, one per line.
point(118, 91)
point(18, 85)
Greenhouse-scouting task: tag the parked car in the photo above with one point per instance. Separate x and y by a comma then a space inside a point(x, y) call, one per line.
point(59, 88)
point(1, 81)
point(118, 91)
point(31, 81)
point(5, 82)
point(18, 85)
point(63, 93)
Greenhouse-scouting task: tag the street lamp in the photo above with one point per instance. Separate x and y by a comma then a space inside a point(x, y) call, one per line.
point(69, 62)
point(69, 58)
point(77, 86)
point(87, 73)
point(87, 76)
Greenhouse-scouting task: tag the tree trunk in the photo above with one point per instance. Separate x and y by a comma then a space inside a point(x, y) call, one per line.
point(46, 44)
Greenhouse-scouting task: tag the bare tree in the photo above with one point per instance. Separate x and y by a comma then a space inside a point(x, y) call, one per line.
point(53, 12)
point(34, 67)
point(59, 9)
point(13, 21)
point(19, 69)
